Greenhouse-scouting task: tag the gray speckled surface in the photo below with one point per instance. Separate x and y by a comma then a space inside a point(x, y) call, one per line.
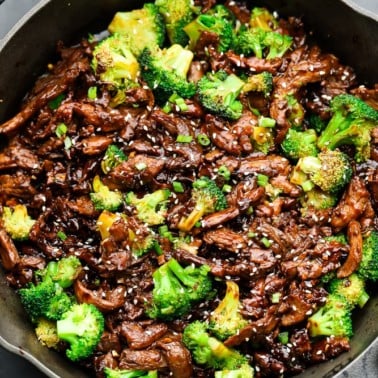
point(12, 365)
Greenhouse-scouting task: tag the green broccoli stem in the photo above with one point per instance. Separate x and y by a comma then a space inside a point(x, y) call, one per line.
point(69, 330)
point(226, 320)
point(332, 135)
point(310, 164)
point(186, 224)
point(178, 59)
point(180, 273)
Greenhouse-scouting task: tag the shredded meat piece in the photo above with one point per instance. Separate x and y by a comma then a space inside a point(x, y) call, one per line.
point(146, 359)
point(136, 171)
point(225, 238)
point(355, 251)
point(329, 347)
point(177, 356)
point(139, 337)
point(48, 87)
point(220, 217)
point(8, 251)
point(112, 299)
point(352, 204)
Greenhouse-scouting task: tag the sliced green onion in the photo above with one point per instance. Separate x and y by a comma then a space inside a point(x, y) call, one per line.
point(157, 248)
point(184, 138)
point(224, 172)
point(163, 229)
point(61, 235)
point(267, 243)
point(262, 180)
point(251, 234)
point(61, 130)
point(173, 97)
point(178, 187)
point(183, 106)
point(226, 188)
point(165, 233)
point(203, 140)
point(55, 102)
point(167, 108)
point(283, 337)
point(92, 93)
point(276, 297)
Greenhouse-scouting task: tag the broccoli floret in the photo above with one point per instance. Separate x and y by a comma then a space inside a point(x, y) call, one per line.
point(186, 244)
point(16, 222)
point(103, 198)
point(165, 71)
point(261, 43)
point(351, 124)
point(261, 82)
point(368, 267)
point(213, 24)
point(263, 19)
point(177, 14)
point(142, 241)
point(114, 63)
point(45, 299)
point(331, 171)
point(117, 373)
point(151, 208)
point(295, 112)
point(317, 199)
point(195, 279)
point(249, 41)
point(169, 299)
point(209, 351)
point(262, 136)
point(332, 319)
point(277, 44)
point(63, 272)
point(245, 371)
point(177, 288)
point(207, 197)
point(81, 326)
point(316, 122)
point(59, 304)
point(113, 157)
point(46, 333)
point(141, 27)
point(226, 319)
point(221, 11)
point(36, 299)
point(352, 288)
point(299, 144)
point(218, 93)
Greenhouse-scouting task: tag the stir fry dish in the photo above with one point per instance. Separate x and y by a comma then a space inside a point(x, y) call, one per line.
point(193, 193)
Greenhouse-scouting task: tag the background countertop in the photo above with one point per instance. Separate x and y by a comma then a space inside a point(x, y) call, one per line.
point(12, 365)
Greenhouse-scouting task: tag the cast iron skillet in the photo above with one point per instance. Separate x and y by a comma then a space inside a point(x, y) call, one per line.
point(30, 45)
